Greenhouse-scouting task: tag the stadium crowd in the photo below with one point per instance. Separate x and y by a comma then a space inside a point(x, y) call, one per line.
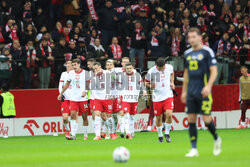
point(38, 36)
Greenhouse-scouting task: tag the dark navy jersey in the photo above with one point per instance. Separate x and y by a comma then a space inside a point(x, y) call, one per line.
point(198, 64)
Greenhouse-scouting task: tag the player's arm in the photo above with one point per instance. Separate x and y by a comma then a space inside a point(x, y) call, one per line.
point(184, 86)
point(239, 91)
point(148, 82)
point(66, 86)
point(61, 84)
point(172, 81)
point(213, 75)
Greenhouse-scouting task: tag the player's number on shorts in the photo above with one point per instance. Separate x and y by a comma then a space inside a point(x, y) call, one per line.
point(193, 65)
point(206, 107)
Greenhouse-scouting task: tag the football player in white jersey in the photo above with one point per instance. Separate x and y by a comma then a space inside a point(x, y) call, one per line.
point(161, 79)
point(101, 83)
point(118, 106)
point(131, 84)
point(65, 105)
point(79, 80)
point(91, 93)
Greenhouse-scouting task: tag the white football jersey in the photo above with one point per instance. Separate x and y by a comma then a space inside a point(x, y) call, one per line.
point(63, 79)
point(131, 86)
point(78, 82)
point(101, 84)
point(162, 91)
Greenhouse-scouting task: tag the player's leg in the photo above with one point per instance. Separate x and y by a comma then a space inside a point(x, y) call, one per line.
point(158, 110)
point(126, 110)
point(243, 107)
point(121, 121)
point(193, 109)
point(114, 115)
point(104, 126)
point(91, 105)
point(74, 107)
point(206, 107)
point(84, 109)
point(108, 107)
point(65, 114)
point(132, 112)
point(98, 108)
point(168, 108)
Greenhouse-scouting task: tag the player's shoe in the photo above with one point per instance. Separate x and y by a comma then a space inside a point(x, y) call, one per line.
point(122, 135)
point(192, 153)
point(72, 138)
point(128, 136)
point(154, 129)
point(241, 127)
point(160, 139)
point(113, 136)
point(85, 138)
point(67, 134)
point(217, 146)
point(97, 138)
point(103, 135)
point(168, 139)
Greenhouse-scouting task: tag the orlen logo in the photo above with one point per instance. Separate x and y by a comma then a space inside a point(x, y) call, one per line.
point(29, 124)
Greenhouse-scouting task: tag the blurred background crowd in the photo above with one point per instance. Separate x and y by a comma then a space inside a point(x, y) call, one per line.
point(38, 36)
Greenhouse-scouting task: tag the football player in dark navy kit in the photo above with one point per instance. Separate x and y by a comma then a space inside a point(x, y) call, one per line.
point(199, 75)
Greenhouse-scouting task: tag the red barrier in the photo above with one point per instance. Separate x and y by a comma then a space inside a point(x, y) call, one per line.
point(43, 103)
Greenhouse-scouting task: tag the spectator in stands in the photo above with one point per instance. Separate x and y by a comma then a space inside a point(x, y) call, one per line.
point(60, 54)
point(19, 58)
point(55, 11)
point(156, 44)
point(72, 51)
point(69, 24)
point(99, 52)
point(71, 10)
point(30, 63)
point(41, 19)
point(65, 33)
point(138, 43)
point(29, 34)
point(5, 67)
point(244, 52)
point(57, 32)
point(108, 23)
point(93, 35)
point(115, 52)
point(177, 45)
point(45, 60)
point(142, 12)
point(222, 48)
point(40, 34)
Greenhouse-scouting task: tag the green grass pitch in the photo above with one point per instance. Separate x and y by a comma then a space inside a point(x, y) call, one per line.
point(50, 151)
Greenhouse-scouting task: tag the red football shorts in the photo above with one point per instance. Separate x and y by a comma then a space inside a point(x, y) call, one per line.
point(116, 106)
point(161, 106)
point(91, 104)
point(130, 108)
point(103, 105)
point(80, 106)
point(65, 107)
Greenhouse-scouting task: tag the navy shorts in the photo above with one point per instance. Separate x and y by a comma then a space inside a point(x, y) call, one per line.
point(199, 105)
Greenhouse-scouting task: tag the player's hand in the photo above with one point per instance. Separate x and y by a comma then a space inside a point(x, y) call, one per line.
point(153, 85)
point(206, 91)
point(184, 97)
point(59, 97)
point(84, 94)
point(172, 86)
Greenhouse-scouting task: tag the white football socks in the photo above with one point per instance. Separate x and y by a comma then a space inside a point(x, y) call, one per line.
point(113, 125)
point(98, 126)
point(159, 129)
point(85, 131)
point(74, 127)
point(127, 124)
point(66, 125)
point(122, 123)
point(132, 124)
point(167, 128)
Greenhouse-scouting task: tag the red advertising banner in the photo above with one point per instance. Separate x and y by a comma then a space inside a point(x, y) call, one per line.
point(44, 103)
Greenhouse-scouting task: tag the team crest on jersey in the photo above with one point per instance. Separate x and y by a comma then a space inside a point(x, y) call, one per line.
point(77, 77)
point(200, 56)
point(188, 58)
point(162, 75)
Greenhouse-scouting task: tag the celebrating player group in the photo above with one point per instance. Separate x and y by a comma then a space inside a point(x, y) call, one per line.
point(111, 95)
